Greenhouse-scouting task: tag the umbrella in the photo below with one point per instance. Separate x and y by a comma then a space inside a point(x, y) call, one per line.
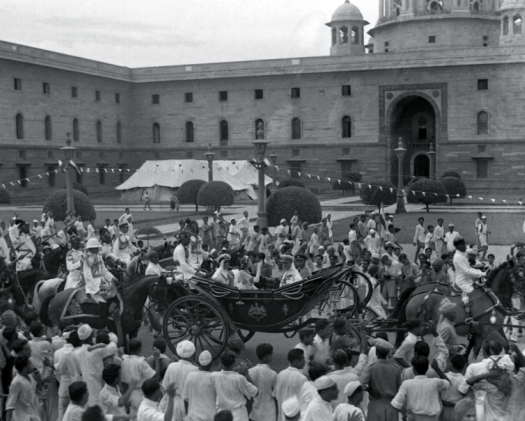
point(146, 232)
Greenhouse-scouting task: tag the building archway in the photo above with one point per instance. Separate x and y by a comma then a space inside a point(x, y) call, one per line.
point(415, 119)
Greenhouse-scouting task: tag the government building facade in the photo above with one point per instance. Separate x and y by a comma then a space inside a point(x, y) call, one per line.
point(444, 76)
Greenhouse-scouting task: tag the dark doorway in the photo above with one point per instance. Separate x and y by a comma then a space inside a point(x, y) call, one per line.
point(422, 166)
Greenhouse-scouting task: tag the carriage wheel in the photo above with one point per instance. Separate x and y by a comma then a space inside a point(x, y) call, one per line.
point(364, 287)
point(245, 335)
point(199, 321)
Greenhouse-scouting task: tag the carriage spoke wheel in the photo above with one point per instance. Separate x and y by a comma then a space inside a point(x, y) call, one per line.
point(245, 335)
point(199, 321)
point(364, 287)
point(341, 300)
point(368, 315)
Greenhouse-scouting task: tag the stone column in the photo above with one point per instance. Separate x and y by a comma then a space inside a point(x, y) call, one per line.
point(381, 8)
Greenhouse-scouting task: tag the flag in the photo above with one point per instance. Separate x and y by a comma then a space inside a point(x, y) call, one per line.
point(74, 165)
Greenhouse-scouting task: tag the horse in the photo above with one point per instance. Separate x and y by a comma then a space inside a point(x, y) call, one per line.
point(57, 309)
point(482, 317)
point(54, 260)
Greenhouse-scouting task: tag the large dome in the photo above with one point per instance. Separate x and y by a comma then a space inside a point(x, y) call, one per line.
point(512, 4)
point(347, 11)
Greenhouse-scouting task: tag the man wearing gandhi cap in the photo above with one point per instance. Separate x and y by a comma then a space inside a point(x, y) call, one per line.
point(199, 394)
point(350, 411)
point(291, 409)
point(291, 274)
point(373, 241)
point(320, 408)
point(450, 237)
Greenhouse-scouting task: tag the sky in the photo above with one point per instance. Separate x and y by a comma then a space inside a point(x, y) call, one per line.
point(144, 33)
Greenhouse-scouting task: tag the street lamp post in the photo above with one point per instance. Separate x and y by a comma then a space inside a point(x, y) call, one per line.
point(209, 156)
point(432, 156)
point(260, 150)
point(273, 157)
point(68, 152)
point(400, 152)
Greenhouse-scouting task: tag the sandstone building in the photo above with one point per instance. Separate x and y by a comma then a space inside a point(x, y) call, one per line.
point(446, 75)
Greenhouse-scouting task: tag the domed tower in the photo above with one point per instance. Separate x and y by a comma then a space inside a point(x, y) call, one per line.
point(347, 31)
point(412, 25)
point(512, 14)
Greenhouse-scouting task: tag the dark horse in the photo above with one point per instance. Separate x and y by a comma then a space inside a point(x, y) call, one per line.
point(54, 260)
point(53, 311)
point(491, 301)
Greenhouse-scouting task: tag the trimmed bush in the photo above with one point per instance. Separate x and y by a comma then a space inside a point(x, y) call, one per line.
point(5, 197)
point(427, 192)
point(414, 180)
point(374, 195)
point(291, 182)
point(285, 201)
point(454, 186)
point(450, 174)
point(189, 191)
point(216, 193)
point(57, 203)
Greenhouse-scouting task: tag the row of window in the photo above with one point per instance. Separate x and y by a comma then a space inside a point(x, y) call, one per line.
point(346, 90)
point(517, 24)
point(46, 90)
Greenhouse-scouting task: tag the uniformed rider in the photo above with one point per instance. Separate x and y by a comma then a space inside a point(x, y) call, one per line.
point(465, 274)
point(123, 248)
point(25, 248)
point(97, 280)
point(153, 267)
point(74, 259)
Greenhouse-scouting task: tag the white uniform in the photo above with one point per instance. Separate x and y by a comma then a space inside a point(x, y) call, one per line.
point(96, 275)
point(123, 248)
point(26, 251)
point(74, 264)
point(465, 275)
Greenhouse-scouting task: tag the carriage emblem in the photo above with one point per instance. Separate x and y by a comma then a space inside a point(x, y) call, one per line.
point(285, 310)
point(257, 312)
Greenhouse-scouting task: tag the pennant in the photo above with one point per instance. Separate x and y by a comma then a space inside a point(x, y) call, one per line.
point(435, 194)
point(129, 170)
point(339, 181)
point(88, 170)
point(289, 172)
point(319, 178)
point(504, 200)
point(277, 168)
point(27, 179)
point(328, 178)
point(56, 171)
point(448, 197)
point(39, 176)
point(521, 203)
point(113, 171)
point(414, 193)
point(359, 185)
point(309, 175)
point(105, 169)
point(381, 188)
point(96, 169)
point(470, 197)
point(12, 184)
point(369, 186)
point(74, 165)
point(493, 200)
point(19, 182)
point(299, 174)
point(480, 198)
point(47, 173)
point(458, 195)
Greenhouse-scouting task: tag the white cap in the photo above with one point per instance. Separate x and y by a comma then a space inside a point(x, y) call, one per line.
point(185, 349)
point(372, 231)
point(205, 358)
point(35, 220)
point(291, 406)
point(451, 225)
point(351, 387)
point(84, 332)
point(324, 382)
point(113, 338)
point(283, 220)
point(92, 243)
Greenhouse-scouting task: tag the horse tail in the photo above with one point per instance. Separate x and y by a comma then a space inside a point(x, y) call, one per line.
point(400, 335)
point(44, 310)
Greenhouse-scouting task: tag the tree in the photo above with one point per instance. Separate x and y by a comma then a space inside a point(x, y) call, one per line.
point(291, 182)
point(380, 191)
point(347, 182)
point(427, 192)
point(454, 187)
point(189, 191)
point(56, 202)
point(5, 197)
point(285, 201)
point(450, 174)
point(216, 193)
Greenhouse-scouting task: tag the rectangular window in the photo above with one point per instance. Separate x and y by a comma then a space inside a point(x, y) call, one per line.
point(102, 175)
point(346, 90)
point(259, 94)
point(386, 46)
point(46, 89)
point(224, 154)
point(188, 97)
point(97, 96)
point(223, 96)
point(155, 99)
point(485, 41)
point(346, 168)
point(482, 148)
point(432, 39)
point(74, 92)
point(296, 92)
point(483, 84)
point(51, 176)
point(18, 84)
point(22, 174)
point(295, 168)
point(22, 155)
point(482, 169)
point(117, 98)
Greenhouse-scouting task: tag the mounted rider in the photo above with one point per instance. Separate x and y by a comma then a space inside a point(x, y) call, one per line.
point(106, 246)
point(98, 281)
point(181, 256)
point(123, 248)
point(465, 274)
point(74, 260)
point(25, 248)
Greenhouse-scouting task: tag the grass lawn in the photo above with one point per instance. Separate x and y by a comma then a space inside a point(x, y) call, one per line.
point(506, 228)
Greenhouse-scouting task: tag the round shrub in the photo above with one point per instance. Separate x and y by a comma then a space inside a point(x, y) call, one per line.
point(450, 174)
point(285, 201)
point(5, 197)
point(427, 192)
point(454, 186)
point(80, 187)
point(374, 195)
point(216, 193)
point(291, 182)
point(415, 179)
point(189, 191)
point(57, 203)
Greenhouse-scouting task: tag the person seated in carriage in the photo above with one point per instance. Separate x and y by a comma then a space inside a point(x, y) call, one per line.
point(153, 267)
point(123, 248)
point(290, 274)
point(97, 280)
point(181, 257)
point(74, 260)
point(223, 274)
point(465, 275)
point(106, 246)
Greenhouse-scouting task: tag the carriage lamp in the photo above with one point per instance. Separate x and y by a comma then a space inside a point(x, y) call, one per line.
point(209, 156)
point(68, 152)
point(400, 152)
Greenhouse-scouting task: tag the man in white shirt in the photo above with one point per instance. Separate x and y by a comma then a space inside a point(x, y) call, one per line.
point(265, 379)
point(233, 388)
point(181, 257)
point(149, 410)
point(63, 374)
point(74, 259)
point(465, 275)
point(123, 248)
point(281, 233)
point(320, 407)
point(354, 394)
point(291, 274)
point(234, 235)
point(290, 381)
point(199, 393)
point(373, 242)
point(450, 237)
point(322, 350)
point(110, 228)
point(153, 267)
point(352, 240)
point(419, 237)
point(439, 237)
point(112, 401)
point(244, 226)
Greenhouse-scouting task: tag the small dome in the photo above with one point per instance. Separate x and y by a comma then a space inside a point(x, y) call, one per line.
point(347, 11)
point(512, 4)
